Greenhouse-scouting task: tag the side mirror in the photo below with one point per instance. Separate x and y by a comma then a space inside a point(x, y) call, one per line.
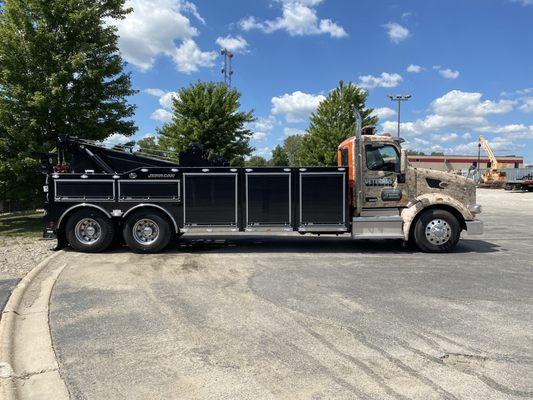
point(404, 162)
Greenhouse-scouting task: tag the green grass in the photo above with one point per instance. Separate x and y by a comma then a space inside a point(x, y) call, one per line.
point(27, 224)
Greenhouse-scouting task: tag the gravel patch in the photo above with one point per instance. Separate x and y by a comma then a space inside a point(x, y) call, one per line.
point(18, 255)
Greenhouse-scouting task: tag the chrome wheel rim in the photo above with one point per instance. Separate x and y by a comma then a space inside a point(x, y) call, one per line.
point(88, 231)
point(438, 232)
point(145, 231)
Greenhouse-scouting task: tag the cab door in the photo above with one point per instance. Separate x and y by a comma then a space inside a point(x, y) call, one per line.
point(384, 184)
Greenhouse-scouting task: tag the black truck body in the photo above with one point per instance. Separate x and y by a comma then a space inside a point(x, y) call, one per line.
point(197, 198)
point(211, 198)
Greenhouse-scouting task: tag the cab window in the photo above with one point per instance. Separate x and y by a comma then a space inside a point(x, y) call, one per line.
point(344, 156)
point(382, 158)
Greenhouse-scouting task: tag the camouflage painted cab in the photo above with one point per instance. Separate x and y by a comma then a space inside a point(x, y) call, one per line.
point(391, 199)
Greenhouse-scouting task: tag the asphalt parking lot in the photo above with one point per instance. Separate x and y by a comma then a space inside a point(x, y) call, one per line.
point(255, 317)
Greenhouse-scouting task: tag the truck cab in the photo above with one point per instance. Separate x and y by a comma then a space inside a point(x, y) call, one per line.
point(391, 199)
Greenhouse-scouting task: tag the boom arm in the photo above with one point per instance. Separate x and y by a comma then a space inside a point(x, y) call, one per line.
point(485, 144)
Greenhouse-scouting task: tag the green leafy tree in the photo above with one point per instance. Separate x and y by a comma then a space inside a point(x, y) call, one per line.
point(415, 153)
point(437, 153)
point(292, 146)
point(208, 113)
point(148, 143)
point(256, 161)
point(279, 157)
point(60, 73)
point(333, 122)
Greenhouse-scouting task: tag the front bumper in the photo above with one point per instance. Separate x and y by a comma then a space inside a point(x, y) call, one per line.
point(474, 227)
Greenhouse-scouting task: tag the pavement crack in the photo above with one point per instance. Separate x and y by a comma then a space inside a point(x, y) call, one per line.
point(27, 374)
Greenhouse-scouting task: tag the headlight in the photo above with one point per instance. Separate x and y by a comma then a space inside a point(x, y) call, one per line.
point(475, 208)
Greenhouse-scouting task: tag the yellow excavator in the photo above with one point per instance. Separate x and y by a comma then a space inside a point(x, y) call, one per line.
point(492, 177)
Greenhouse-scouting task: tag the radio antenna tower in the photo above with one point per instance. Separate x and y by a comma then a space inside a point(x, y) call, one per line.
point(227, 69)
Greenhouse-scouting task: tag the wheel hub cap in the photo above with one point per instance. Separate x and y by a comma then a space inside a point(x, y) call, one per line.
point(88, 231)
point(145, 231)
point(438, 231)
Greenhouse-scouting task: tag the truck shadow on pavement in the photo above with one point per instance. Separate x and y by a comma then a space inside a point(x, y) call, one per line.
point(269, 244)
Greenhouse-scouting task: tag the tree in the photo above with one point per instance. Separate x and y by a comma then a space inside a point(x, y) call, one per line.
point(437, 153)
point(415, 153)
point(256, 161)
point(148, 144)
point(207, 113)
point(279, 157)
point(60, 73)
point(292, 146)
point(333, 122)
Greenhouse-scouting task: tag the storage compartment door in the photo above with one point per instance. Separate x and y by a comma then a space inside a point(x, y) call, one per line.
point(322, 198)
point(84, 189)
point(210, 199)
point(268, 199)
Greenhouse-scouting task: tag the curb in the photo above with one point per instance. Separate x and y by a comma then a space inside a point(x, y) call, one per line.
point(7, 324)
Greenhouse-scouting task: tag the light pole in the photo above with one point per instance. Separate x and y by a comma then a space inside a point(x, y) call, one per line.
point(399, 98)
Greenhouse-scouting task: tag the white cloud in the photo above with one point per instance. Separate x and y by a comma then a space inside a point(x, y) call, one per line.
point(449, 73)
point(299, 18)
point(386, 80)
point(115, 139)
point(155, 92)
point(152, 30)
point(396, 32)
point(415, 69)
point(383, 112)
point(519, 92)
point(235, 44)
point(527, 107)
point(262, 127)
point(518, 131)
point(458, 111)
point(293, 131)
point(265, 124)
point(259, 136)
point(524, 2)
point(161, 115)
point(189, 58)
point(459, 103)
point(296, 107)
point(445, 137)
point(165, 100)
point(454, 110)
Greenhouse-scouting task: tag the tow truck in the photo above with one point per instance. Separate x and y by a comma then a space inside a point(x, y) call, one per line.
point(95, 195)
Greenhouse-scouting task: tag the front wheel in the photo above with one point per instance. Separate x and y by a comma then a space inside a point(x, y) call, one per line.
point(437, 231)
point(147, 232)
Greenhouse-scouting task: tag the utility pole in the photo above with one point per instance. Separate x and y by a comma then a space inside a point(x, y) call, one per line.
point(399, 98)
point(227, 69)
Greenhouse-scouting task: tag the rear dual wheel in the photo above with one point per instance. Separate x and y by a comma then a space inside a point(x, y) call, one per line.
point(147, 232)
point(89, 231)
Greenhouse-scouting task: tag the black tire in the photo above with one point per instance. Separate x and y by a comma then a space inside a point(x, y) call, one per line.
point(158, 235)
point(437, 231)
point(89, 231)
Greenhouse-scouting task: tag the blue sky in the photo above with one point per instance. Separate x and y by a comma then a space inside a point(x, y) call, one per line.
point(467, 63)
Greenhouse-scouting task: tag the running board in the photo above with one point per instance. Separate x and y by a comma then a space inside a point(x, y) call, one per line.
point(377, 227)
